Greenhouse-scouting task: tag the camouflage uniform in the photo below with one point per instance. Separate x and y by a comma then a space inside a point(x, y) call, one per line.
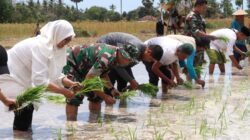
point(93, 59)
point(193, 24)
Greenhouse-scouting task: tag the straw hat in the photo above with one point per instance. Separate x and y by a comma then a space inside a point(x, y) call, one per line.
point(240, 13)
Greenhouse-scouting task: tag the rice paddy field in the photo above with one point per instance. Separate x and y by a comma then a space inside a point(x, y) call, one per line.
point(219, 111)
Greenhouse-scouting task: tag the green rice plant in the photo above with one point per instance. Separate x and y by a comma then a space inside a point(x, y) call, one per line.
point(132, 134)
point(162, 108)
point(181, 136)
point(198, 70)
point(149, 89)
point(71, 129)
point(203, 105)
point(158, 135)
point(224, 39)
point(59, 134)
point(248, 53)
point(150, 119)
point(222, 113)
point(92, 84)
point(203, 127)
point(191, 105)
point(244, 113)
point(188, 85)
point(127, 95)
point(29, 96)
point(100, 121)
point(56, 99)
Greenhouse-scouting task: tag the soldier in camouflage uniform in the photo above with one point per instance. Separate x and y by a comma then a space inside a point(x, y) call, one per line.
point(93, 60)
point(195, 26)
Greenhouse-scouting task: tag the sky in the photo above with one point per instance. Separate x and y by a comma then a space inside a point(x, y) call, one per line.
point(128, 5)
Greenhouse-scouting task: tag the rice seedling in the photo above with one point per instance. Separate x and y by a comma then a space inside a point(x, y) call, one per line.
point(203, 127)
point(29, 96)
point(92, 84)
point(198, 70)
point(191, 105)
point(149, 122)
point(127, 95)
point(59, 134)
point(158, 135)
point(248, 53)
point(56, 99)
point(162, 108)
point(188, 85)
point(181, 136)
point(132, 134)
point(100, 121)
point(148, 89)
point(203, 105)
point(222, 113)
point(224, 39)
point(244, 113)
point(71, 129)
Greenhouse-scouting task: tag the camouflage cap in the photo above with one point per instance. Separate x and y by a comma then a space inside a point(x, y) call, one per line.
point(129, 51)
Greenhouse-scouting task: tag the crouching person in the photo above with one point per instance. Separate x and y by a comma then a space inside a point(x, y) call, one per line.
point(144, 53)
point(87, 61)
point(217, 47)
point(167, 67)
point(38, 61)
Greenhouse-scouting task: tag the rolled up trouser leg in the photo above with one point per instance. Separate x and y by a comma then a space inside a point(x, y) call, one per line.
point(23, 118)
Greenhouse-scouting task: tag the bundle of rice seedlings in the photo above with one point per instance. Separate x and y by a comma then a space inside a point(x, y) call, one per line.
point(92, 84)
point(56, 99)
point(198, 70)
point(29, 96)
point(223, 38)
point(248, 53)
point(148, 89)
point(127, 95)
point(188, 85)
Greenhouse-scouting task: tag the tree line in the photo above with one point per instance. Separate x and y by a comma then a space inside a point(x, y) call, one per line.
point(45, 10)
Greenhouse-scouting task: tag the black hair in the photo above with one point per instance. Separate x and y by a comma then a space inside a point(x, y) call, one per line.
point(156, 51)
point(245, 31)
point(186, 49)
point(200, 2)
point(202, 42)
point(4, 56)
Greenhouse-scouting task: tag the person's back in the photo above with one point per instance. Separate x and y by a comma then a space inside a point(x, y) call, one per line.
point(20, 60)
point(169, 47)
point(123, 38)
point(222, 45)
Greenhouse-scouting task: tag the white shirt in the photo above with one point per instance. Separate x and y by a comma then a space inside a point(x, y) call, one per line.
point(184, 39)
point(169, 47)
point(219, 45)
point(29, 67)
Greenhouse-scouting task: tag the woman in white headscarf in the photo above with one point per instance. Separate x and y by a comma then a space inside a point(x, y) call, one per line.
point(38, 61)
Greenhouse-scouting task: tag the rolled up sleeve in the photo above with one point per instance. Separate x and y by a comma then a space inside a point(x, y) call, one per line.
point(190, 66)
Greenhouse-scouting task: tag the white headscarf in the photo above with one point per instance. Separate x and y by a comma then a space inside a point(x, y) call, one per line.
point(51, 35)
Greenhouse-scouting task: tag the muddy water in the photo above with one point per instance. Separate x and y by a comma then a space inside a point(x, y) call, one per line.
point(220, 111)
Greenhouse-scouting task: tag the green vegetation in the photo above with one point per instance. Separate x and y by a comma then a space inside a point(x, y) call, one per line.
point(28, 96)
point(58, 99)
point(148, 89)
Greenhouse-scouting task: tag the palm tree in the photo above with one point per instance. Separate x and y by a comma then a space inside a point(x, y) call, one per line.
point(112, 7)
point(76, 1)
point(148, 3)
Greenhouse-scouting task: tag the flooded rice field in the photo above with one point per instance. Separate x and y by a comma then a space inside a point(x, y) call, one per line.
point(220, 111)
